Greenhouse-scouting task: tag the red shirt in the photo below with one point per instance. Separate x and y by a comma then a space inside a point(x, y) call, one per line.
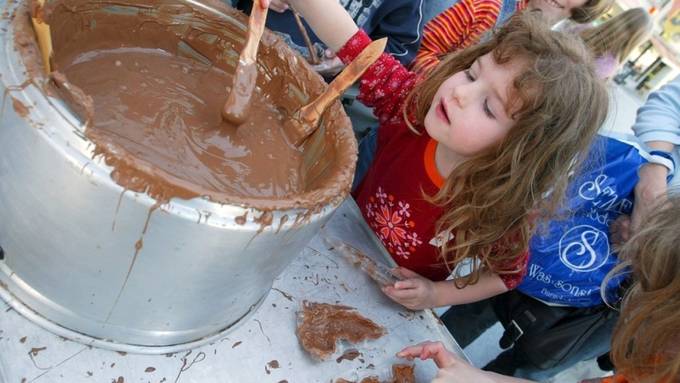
point(392, 194)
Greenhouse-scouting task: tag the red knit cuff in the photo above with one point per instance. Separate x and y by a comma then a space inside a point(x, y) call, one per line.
point(513, 280)
point(354, 46)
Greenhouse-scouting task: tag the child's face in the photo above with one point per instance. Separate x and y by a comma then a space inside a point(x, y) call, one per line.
point(469, 112)
point(556, 10)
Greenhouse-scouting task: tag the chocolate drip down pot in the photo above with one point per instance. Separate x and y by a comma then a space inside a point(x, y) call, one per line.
point(116, 268)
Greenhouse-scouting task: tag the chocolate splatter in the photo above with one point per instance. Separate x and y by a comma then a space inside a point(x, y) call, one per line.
point(285, 294)
point(35, 350)
point(350, 354)
point(20, 108)
point(401, 373)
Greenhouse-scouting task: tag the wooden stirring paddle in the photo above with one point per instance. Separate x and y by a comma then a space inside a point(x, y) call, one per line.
point(313, 59)
point(42, 33)
point(305, 121)
point(238, 103)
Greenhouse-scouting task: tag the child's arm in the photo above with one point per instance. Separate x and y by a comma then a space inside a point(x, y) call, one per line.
point(448, 32)
point(385, 85)
point(329, 20)
point(416, 292)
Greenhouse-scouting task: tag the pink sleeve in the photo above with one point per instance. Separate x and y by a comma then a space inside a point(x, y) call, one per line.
point(386, 83)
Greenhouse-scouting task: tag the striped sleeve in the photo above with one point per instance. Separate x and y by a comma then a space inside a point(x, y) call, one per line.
point(456, 28)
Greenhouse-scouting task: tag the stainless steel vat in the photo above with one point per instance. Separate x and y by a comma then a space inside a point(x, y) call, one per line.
point(69, 232)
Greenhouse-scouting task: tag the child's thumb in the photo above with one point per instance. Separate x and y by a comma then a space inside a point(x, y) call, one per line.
point(406, 273)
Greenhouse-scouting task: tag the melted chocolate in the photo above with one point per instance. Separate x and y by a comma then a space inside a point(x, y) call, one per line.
point(322, 325)
point(401, 373)
point(147, 101)
point(151, 79)
point(19, 107)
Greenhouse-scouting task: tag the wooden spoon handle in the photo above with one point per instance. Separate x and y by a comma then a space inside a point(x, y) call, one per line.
point(311, 113)
point(313, 59)
point(236, 108)
point(43, 34)
point(256, 22)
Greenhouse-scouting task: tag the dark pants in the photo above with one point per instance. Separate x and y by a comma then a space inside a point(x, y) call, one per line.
point(367, 147)
point(467, 322)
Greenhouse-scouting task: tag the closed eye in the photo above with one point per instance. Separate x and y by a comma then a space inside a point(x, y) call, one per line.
point(487, 110)
point(485, 106)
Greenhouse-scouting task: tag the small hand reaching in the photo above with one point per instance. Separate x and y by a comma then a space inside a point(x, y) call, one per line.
point(330, 65)
point(452, 369)
point(413, 291)
point(430, 350)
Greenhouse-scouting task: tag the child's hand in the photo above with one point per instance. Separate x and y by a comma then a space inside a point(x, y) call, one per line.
point(452, 369)
point(430, 350)
point(413, 291)
point(279, 6)
point(330, 65)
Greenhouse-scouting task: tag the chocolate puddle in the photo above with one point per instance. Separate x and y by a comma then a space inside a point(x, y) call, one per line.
point(151, 78)
point(322, 325)
point(401, 373)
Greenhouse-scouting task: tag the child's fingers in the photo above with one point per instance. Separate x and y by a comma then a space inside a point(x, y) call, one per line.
point(443, 358)
point(410, 352)
point(406, 273)
point(436, 351)
point(404, 297)
point(414, 350)
point(400, 294)
point(406, 284)
point(277, 5)
point(429, 350)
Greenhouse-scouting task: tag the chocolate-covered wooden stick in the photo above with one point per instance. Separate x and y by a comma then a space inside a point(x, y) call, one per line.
point(238, 103)
point(42, 33)
point(313, 59)
point(305, 121)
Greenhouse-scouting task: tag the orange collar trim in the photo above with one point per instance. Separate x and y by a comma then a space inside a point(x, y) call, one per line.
point(431, 164)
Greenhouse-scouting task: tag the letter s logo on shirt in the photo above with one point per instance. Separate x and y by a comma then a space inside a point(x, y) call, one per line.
point(584, 248)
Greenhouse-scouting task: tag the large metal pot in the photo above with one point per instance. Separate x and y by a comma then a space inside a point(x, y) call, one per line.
point(69, 232)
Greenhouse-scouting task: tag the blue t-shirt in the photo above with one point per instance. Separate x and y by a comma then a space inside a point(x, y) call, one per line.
point(571, 257)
